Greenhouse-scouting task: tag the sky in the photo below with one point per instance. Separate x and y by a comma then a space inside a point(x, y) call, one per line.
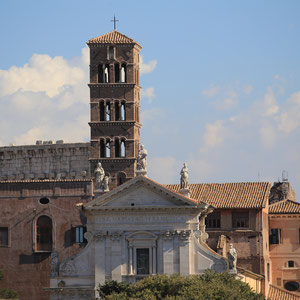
point(221, 81)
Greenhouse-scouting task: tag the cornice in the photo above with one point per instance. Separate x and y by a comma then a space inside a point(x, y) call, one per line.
point(114, 85)
point(125, 209)
point(45, 181)
point(114, 159)
point(114, 123)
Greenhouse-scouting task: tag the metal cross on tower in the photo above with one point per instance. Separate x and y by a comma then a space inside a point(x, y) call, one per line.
point(115, 22)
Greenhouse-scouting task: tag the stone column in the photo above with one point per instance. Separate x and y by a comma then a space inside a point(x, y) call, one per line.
point(154, 260)
point(99, 260)
point(168, 267)
point(130, 271)
point(116, 257)
point(184, 253)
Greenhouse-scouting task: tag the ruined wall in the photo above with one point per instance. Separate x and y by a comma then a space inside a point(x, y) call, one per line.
point(44, 161)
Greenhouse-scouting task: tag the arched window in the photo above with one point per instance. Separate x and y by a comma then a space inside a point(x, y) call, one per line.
point(106, 74)
point(117, 72)
point(117, 111)
point(100, 74)
point(117, 148)
point(123, 149)
point(107, 112)
point(44, 234)
point(102, 149)
point(123, 111)
point(107, 146)
point(123, 73)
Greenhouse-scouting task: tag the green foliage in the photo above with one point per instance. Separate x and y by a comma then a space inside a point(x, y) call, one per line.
point(210, 285)
point(7, 293)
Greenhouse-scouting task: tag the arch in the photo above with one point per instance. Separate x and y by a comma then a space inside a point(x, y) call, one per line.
point(117, 72)
point(102, 148)
point(121, 178)
point(117, 147)
point(123, 111)
point(44, 233)
point(106, 74)
point(123, 148)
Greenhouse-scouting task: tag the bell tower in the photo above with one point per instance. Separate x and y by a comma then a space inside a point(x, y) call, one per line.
point(114, 105)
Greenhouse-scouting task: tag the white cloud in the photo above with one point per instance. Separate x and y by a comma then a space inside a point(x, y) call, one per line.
point(211, 91)
point(268, 106)
point(148, 93)
point(214, 134)
point(151, 114)
point(248, 89)
point(147, 67)
point(268, 135)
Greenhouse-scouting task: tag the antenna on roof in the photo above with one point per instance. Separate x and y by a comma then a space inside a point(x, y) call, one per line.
point(115, 22)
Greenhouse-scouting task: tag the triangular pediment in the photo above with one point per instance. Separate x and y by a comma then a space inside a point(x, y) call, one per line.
point(141, 192)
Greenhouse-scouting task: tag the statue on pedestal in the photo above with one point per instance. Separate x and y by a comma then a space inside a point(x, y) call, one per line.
point(54, 263)
point(184, 179)
point(101, 181)
point(232, 258)
point(141, 164)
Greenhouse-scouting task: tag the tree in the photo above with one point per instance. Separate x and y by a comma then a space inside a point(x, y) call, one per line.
point(210, 285)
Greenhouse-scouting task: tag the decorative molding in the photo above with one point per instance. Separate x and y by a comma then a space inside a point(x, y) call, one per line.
point(181, 234)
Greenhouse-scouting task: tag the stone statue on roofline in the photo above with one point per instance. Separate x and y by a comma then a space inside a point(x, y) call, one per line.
point(232, 259)
point(184, 181)
point(141, 162)
point(101, 181)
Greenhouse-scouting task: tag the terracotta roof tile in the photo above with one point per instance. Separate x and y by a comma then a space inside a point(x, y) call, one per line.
point(229, 195)
point(276, 293)
point(113, 37)
point(285, 207)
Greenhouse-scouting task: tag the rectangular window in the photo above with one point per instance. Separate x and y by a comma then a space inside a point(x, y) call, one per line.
point(291, 264)
point(142, 261)
point(3, 236)
point(213, 220)
point(79, 234)
point(275, 236)
point(240, 220)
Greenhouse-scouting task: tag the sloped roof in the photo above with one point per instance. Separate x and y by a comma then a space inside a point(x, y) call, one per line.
point(276, 293)
point(113, 37)
point(229, 195)
point(285, 207)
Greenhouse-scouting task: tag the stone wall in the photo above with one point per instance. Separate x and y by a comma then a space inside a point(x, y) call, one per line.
point(45, 160)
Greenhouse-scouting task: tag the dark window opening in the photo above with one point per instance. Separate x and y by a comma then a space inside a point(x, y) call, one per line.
point(142, 260)
point(117, 111)
point(121, 178)
point(44, 201)
point(44, 234)
point(275, 236)
point(111, 52)
point(102, 111)
point(213, 220)
point(100, 74)
point(117, 73)
point(291, 264)
point(117, 148)
point(3, 236)
point(291, 286)
point(102, 149)
point(240, 220)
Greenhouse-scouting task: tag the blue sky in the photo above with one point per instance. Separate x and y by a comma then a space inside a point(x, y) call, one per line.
point(221, 81)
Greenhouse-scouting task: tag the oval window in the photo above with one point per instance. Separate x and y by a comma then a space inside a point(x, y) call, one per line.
point(44, 201)
point(291, 286)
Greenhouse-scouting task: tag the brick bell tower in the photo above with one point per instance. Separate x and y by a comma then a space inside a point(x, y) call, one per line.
point(115, 105)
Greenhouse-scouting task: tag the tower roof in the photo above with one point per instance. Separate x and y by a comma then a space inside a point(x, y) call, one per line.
point(113, 37)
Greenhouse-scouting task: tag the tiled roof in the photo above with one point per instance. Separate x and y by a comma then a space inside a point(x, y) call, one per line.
point(276, 293)
point(229, 195)
point(285, 207)
point(113, 37)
